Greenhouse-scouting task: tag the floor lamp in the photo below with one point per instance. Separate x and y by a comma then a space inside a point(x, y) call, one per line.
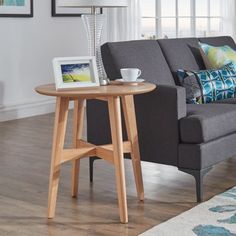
point(94, 23)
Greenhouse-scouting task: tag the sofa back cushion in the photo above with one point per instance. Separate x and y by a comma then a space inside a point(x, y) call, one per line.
point(143, 54)
point(182, 53)
point(159, 60)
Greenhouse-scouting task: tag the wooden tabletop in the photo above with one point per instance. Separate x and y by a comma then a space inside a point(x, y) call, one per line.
point(101, 91)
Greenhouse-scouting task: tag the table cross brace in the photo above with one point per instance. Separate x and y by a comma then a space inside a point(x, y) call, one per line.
point(86, 149)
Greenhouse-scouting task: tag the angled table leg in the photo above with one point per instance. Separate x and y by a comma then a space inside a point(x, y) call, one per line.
point(61, 115)
point(78, 121)
point(131, 126)
point(117, 141)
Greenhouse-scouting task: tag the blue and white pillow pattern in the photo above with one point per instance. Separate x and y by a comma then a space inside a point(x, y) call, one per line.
point(207, 86)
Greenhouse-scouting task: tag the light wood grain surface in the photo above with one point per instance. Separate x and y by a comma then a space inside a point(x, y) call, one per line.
point(78, 124)
point(115, 155)
point(111, 90)
point(132, 132)
point(59, 132)
point(117, 142)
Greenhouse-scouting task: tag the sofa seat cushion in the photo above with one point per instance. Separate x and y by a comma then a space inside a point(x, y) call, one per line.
point(207, 122)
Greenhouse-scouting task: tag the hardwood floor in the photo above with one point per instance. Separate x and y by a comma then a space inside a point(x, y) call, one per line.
point(25, 148)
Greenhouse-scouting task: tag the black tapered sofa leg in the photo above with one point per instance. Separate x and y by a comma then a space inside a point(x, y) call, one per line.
point(198, 175)
point(91, 163)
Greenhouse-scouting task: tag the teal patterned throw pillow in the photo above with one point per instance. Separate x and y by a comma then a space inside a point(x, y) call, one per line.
point(206, 86)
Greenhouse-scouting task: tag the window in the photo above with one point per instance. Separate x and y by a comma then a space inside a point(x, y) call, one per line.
point(180, 18)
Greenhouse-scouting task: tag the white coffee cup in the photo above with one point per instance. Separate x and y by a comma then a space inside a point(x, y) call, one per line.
point(130, 74)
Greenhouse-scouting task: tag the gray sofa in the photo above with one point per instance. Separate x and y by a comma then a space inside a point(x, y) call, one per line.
point(193, 138)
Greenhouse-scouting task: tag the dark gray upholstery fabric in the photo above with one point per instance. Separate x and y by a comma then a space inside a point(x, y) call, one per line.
point(157, 124)
point(207, 122)
point(200, 156)
point(219, 41)
point(168, 105)
point(143, 54)
point(98, 125)
point(159, 112)
point(182, 53)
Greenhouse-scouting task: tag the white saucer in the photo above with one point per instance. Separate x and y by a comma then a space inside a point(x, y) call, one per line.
point(125, 81)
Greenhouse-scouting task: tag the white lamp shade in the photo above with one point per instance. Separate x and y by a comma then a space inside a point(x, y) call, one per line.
point(93, 3)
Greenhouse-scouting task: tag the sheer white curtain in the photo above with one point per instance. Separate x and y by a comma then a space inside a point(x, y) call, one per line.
point(228, 12)
point(124, 23)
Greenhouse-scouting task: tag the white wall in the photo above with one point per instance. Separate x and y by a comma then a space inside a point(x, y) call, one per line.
point(27, 46)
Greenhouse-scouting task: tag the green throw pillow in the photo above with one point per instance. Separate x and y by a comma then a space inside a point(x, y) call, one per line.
point(218, 56)
point(206, 86)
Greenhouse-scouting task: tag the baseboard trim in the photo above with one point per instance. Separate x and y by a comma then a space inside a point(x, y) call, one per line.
point(23, 110)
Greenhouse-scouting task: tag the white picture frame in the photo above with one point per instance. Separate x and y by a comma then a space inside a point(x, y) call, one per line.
point(75, 72)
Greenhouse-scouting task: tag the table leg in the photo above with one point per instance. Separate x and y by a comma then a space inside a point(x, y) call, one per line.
point(61, 115)
point(131, 126)
point(78, 121)
point(117, 141)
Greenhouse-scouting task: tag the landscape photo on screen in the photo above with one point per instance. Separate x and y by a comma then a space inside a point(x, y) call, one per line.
point(19, 3)
point(76, 73)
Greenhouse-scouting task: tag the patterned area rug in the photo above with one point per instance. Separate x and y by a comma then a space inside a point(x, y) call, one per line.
point(216, 217)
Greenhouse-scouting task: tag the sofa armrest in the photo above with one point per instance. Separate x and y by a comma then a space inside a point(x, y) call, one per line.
point(157, 115)
point(169, 100)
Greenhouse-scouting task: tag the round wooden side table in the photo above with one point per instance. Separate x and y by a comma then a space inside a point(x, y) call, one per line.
point(113, 153)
